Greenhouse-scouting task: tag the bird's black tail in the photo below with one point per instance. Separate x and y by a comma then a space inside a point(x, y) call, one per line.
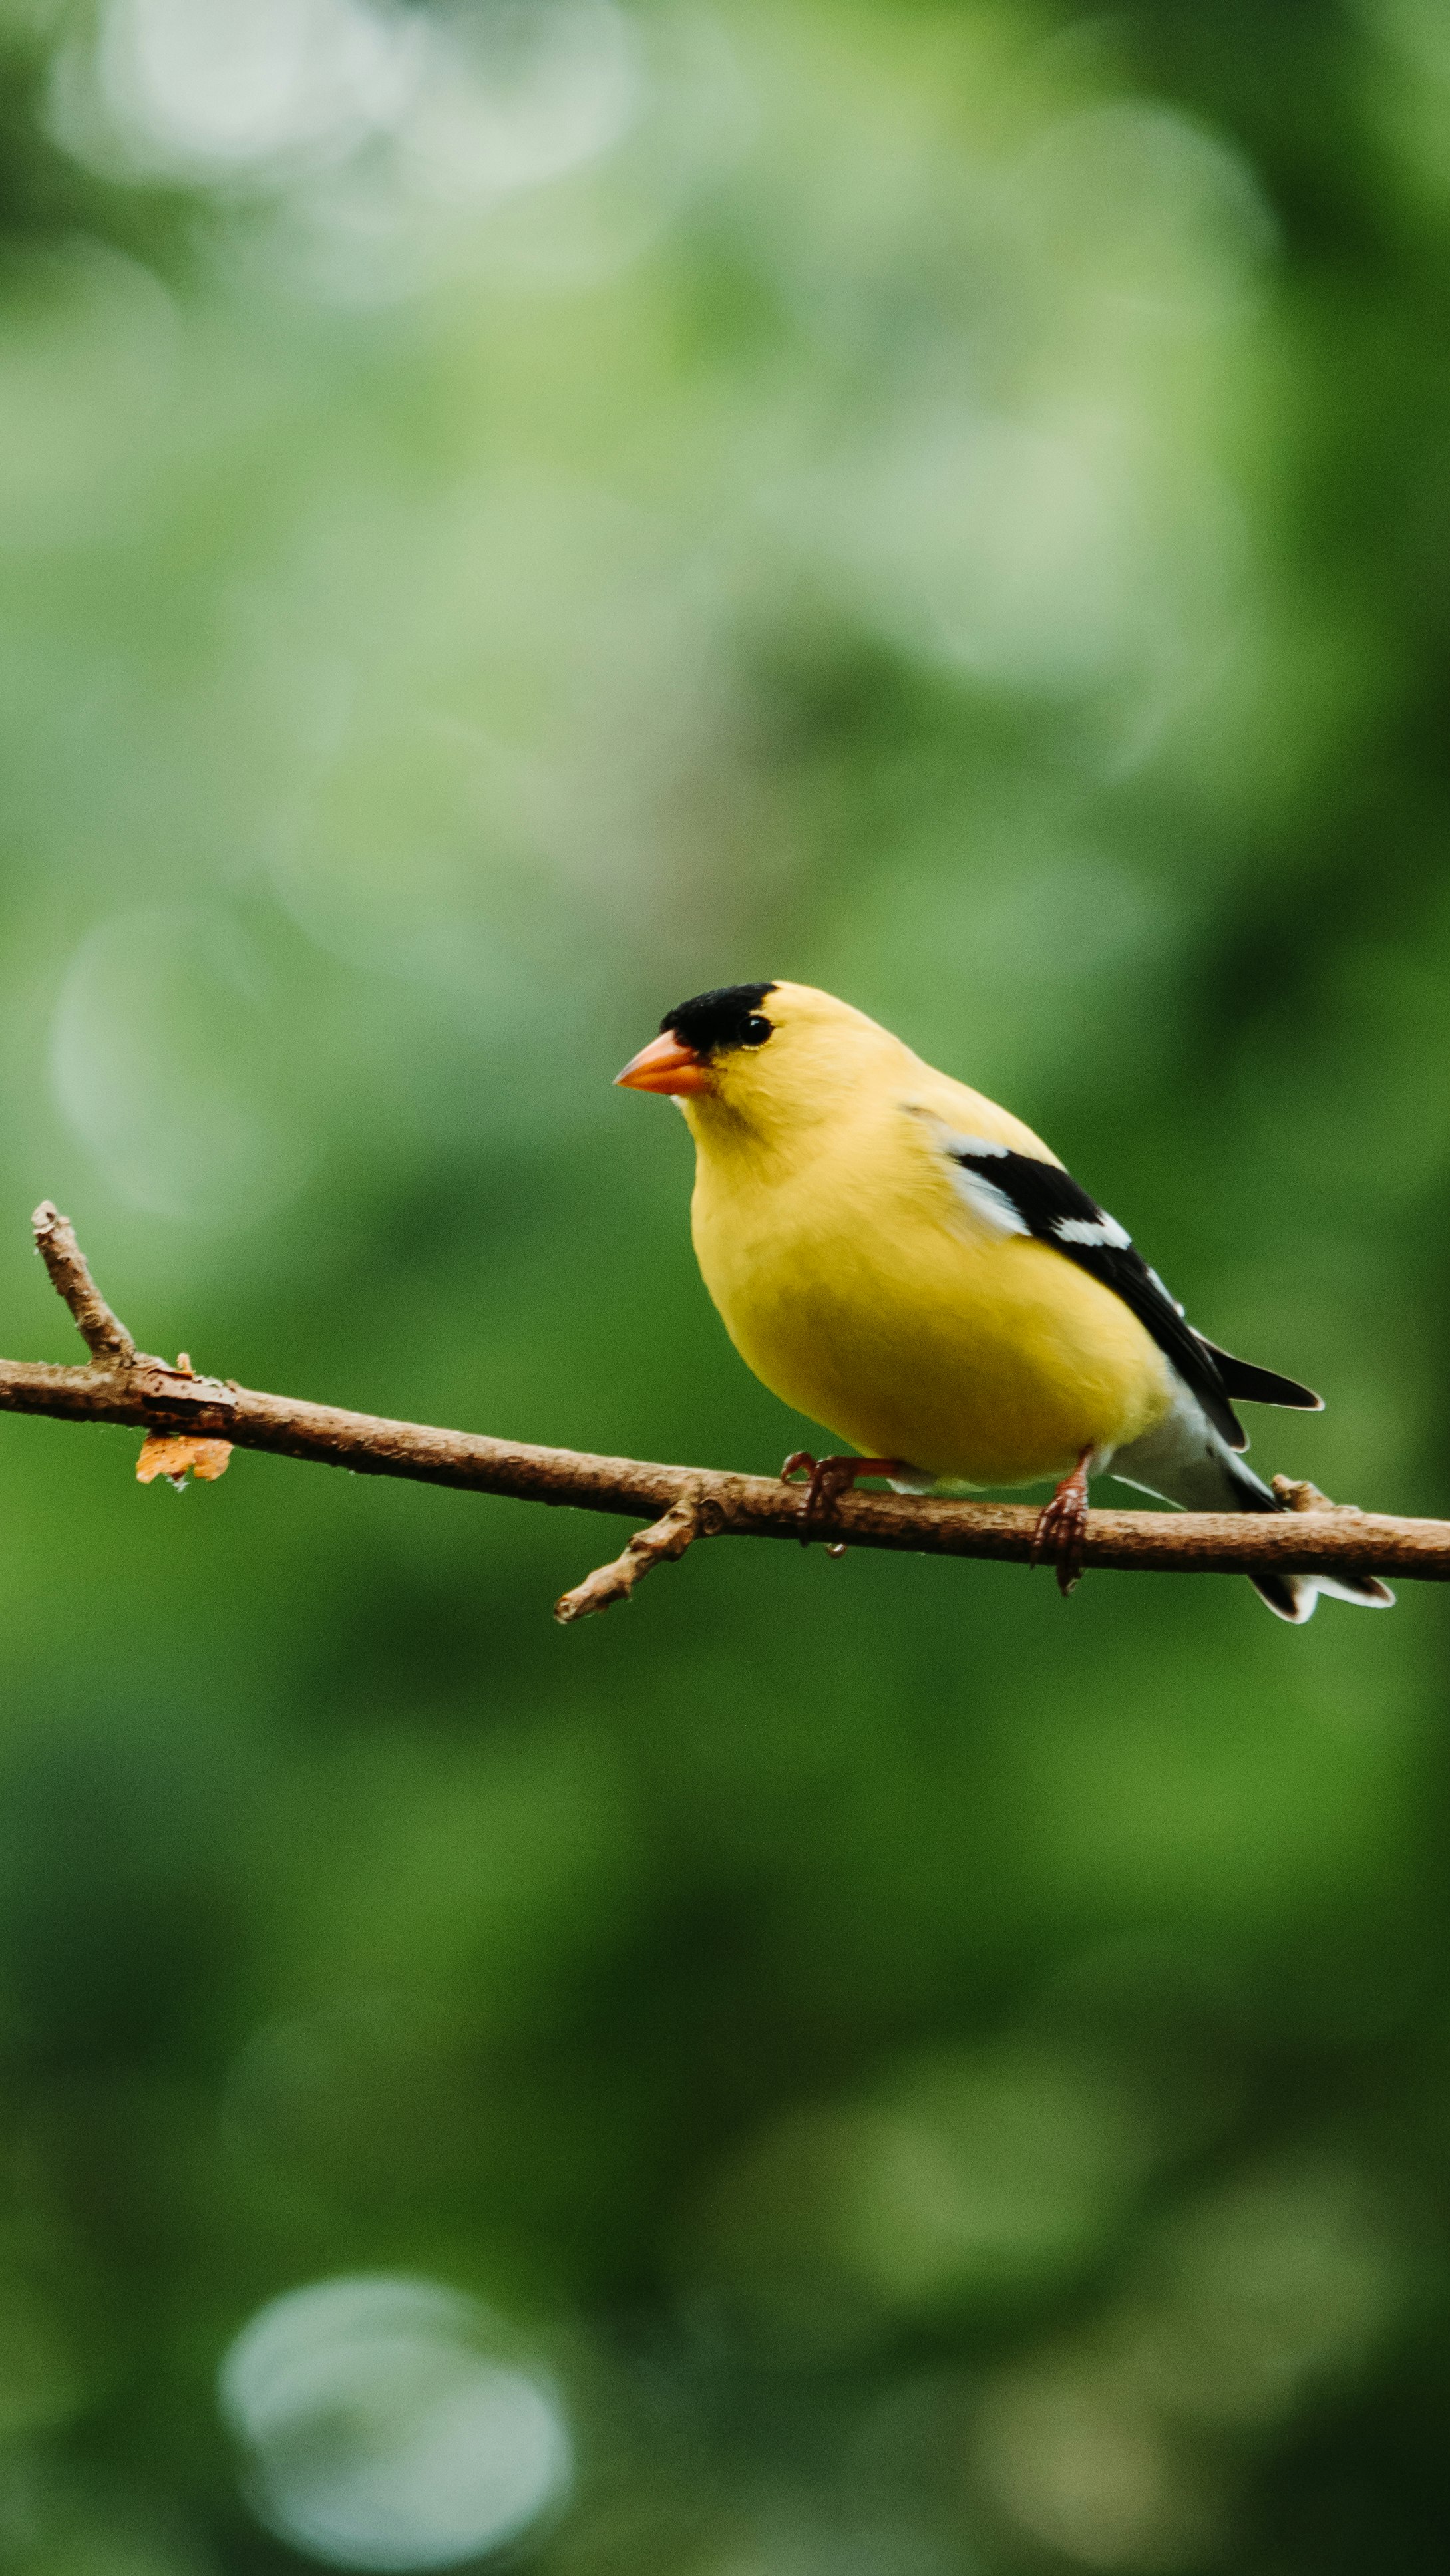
point(1294, 1596)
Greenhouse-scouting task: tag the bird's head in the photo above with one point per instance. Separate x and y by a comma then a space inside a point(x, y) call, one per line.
point(762, 1057)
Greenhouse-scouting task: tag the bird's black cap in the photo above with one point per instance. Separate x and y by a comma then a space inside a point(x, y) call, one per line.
point(713, 1021)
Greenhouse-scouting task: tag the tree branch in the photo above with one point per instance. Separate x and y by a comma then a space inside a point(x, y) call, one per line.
point(124, 1385)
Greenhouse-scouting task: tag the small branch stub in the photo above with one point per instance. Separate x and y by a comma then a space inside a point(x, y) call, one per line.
point(1298, 1495)
point(100, 1328)
point(660, 1544)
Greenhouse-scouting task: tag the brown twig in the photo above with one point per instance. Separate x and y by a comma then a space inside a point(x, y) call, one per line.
point(660, 1544)
point(124, 1385)
point(102, 1331)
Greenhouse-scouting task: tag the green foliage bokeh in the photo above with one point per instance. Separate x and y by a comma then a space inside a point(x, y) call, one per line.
point(948, 503)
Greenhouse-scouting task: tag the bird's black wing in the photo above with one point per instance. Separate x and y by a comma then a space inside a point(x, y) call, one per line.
point(1021, 1195)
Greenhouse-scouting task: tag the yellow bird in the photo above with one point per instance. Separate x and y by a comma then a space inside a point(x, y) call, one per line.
point(907, 1264)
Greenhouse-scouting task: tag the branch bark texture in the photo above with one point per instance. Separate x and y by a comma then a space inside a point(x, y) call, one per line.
point(124, 1385)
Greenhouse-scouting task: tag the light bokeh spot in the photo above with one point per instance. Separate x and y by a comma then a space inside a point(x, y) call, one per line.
point(163, 1063)
point(206, 89)
point(385, 2429)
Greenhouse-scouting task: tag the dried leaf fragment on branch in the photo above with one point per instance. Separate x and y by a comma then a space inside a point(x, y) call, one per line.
point(121, 1384)
point(172, 1454)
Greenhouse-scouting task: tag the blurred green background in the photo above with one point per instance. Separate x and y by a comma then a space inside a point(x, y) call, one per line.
point(510, 513)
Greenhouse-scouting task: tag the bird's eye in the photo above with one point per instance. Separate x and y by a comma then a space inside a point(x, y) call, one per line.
point(756, 1030)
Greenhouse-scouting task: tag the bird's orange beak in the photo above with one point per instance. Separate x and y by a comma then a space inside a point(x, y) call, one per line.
point(666, 1064)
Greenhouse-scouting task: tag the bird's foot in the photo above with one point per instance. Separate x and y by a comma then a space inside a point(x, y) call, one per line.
point(828, 1479)
point(1062, 1527)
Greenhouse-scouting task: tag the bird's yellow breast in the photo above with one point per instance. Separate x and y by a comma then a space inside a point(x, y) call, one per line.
point(859, 1288)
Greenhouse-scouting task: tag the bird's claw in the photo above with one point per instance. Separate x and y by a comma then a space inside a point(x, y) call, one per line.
point(826, 1480)
point(1061, 1530)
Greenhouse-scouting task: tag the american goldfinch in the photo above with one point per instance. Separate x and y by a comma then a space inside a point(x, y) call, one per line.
point(907, 1264)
